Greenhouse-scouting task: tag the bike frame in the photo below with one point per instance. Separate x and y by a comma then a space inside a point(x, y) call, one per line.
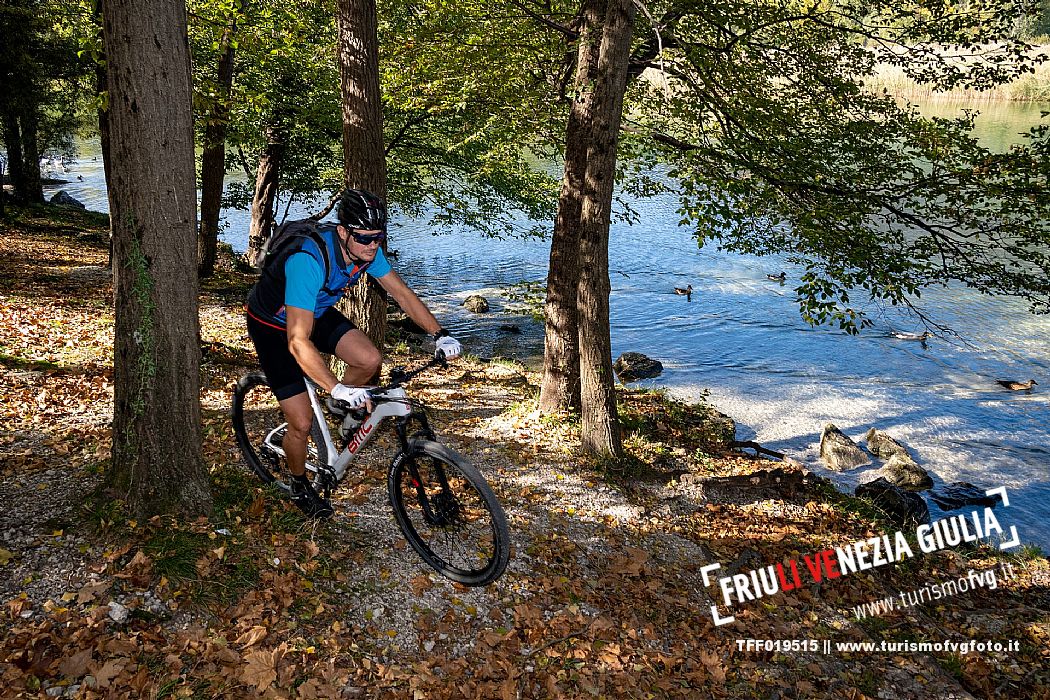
point(393, 403)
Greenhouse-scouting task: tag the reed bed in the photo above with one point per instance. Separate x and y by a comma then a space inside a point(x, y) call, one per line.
point(1031, 87)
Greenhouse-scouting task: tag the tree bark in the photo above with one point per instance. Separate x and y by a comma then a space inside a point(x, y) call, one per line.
point(365, 157)
point(561, 352)
point(600, 431)
point(213, 160)
point(13, 141)
point(33, 191)
point(102, 87)
point(267, 182)
point(157, 464)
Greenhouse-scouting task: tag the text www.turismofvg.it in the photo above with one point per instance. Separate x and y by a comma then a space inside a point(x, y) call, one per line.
point(989, 578)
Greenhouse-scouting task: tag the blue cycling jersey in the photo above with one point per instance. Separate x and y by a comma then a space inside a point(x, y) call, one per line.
point(305, 277)
point(299, 280)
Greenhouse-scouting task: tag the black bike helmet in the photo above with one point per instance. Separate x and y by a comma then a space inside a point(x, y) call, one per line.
point(362, 210)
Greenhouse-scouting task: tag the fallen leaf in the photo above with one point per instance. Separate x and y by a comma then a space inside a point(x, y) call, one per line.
point(259, 670)
point(252, 636)
point(420, 584)
point(76, 665)
point(110, 670)
point(90, 591)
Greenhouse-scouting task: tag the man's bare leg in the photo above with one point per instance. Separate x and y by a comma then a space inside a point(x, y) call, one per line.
point(299, 414)
point(361, 357)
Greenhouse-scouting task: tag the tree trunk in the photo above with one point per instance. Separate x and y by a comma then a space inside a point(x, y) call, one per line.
point(13, 141)
point(157, 464)
point(267, 181)
point(33, 183)
point(213, 160)
point(600, 431)
point(561, 351)
point(102, 87)
point(365, 157)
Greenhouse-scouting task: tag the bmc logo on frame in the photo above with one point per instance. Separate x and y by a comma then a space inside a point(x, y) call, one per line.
point(360, 437)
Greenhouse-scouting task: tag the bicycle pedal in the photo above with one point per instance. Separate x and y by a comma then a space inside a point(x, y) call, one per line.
point(335, 407)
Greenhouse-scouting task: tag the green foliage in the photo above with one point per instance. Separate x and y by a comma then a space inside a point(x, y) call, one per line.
point(468, 108)
point(527, 298)
point(44, 77)
point(285, 77)
point(761, 123)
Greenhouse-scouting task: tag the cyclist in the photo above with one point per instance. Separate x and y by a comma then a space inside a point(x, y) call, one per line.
point(292, 319)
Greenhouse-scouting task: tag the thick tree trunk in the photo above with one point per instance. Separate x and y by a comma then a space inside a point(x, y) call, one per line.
point(561, 352)
point(157, 465)
point(34, 184)
point(600, 431)
point(365, 157)
point(267, 181)
point(213, 160)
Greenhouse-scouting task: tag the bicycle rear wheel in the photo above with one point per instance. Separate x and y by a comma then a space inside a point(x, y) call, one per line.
point(449, 514)
point(260, 426)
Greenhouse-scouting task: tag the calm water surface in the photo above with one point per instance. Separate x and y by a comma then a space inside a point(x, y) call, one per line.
point(740, 341)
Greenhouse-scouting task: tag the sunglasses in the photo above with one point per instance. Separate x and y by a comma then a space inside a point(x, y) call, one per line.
point(368, 239)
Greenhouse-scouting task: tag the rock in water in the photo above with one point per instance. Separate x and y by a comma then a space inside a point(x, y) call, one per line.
point(839, 452)
point(903, 471)
point(903, 508)
point(882, 445)
point(961, 494)
point(476, 303)
point(64, 199)
point(632, 366)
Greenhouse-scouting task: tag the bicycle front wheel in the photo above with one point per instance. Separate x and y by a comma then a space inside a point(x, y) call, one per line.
point(260, 426)
point(449, 514)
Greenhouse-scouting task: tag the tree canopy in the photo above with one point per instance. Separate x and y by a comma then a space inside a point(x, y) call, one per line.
point(760, 115)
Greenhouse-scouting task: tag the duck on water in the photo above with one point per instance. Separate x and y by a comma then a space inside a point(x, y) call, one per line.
point(921, 337)
point(1016, 386)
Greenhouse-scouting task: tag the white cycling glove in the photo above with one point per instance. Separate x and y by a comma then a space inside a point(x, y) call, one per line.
point(354, 396)
point(447, 344)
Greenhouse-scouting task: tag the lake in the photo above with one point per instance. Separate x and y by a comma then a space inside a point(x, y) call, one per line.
point(740, 342)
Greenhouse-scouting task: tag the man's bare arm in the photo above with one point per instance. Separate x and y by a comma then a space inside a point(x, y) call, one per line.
point(409, 302)
point(300, 325)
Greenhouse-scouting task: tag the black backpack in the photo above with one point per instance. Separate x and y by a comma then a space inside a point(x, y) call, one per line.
point(286, 234)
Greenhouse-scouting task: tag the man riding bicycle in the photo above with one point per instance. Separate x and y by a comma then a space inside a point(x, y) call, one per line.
point(292, 319)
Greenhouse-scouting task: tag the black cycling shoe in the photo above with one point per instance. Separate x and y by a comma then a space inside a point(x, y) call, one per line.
point(309, 501)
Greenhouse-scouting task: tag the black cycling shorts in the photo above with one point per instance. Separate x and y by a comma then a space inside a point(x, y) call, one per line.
point(278, 364)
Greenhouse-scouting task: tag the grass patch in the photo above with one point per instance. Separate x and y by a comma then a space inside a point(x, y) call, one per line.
point(175, 552)
point(102, 512)
point(953, 664)
point(13, 362)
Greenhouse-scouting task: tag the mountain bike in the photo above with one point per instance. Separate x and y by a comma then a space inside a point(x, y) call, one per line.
point(441, 502)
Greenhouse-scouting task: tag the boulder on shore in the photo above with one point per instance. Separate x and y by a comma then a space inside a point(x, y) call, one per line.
point(961, 494)
point(476, 303)
point(839, 452)
point(632, 366)
point(882, 445)
point(903, 508)
point(63, 198)
point(902, 470)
